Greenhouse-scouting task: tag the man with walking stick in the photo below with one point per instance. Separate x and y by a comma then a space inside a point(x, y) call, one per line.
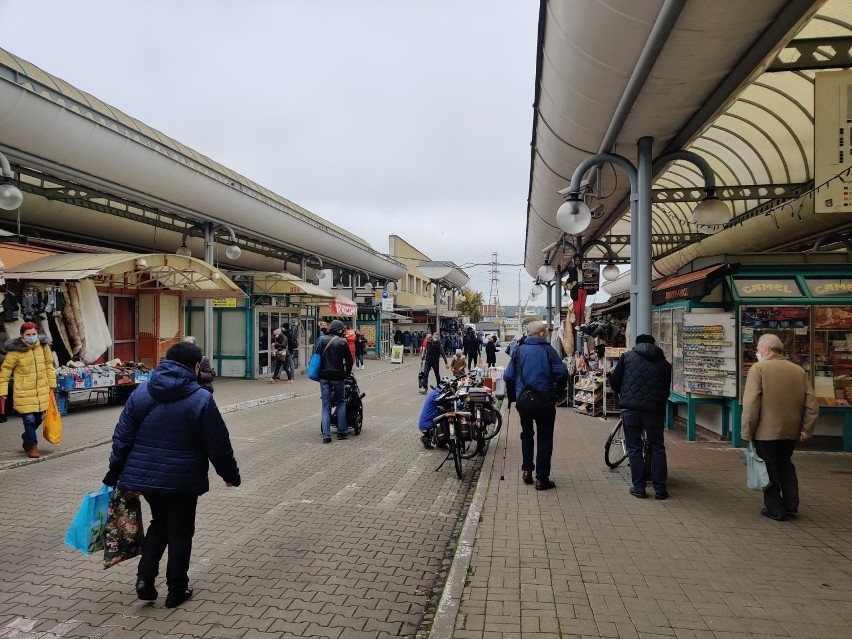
point(532, 377)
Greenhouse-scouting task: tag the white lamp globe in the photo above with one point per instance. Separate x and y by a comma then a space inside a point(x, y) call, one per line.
point(536, 290)
point(233, 252)
point(610, 272)
point(10, 197)
point(183, 251)
point(546, 272)
point(711, 214)
point(574, 217)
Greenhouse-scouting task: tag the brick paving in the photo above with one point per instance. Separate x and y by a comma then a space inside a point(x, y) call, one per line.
point(589, 560)
point(346, 540)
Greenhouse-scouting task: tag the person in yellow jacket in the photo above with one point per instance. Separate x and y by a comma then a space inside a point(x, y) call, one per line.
point(29, 364)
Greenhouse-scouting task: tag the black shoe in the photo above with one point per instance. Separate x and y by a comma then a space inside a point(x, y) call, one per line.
point(145, 590)
point(765, 512)
point(663, 494)
point(174, 599)
point(527, 476)
point(427, 442)
point(544, 484)
point(326, 440)
point(342, 435)
point(793, 512)
point(641, 494)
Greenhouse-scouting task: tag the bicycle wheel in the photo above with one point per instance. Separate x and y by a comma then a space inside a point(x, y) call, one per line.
point(455, 449)
point(494, 428)
point(615, 449)
point(470, 449)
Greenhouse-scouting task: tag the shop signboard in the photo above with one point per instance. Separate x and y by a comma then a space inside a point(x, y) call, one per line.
point(591, 277)
point(396, 354)
point(387, 304)
point(225, 302)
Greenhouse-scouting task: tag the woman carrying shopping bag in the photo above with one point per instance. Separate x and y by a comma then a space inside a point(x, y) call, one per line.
point(29, 365)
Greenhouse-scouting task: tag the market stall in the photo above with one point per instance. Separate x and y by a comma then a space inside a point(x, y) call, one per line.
point(708, 323)
point(111, 316)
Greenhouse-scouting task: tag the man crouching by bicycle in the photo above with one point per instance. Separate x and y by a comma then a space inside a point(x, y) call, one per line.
point(641, 379)
point(430, 411)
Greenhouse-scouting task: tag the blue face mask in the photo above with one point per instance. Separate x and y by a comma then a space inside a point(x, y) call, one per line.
point(31, 339)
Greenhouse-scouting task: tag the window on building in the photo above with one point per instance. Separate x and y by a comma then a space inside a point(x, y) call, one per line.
point(410, 283)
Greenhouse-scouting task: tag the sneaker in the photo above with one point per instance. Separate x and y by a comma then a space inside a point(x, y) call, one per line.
point(342, 435)
point(145, 590)
point(636, 492)
point(661, 495)
point(427, 441)
point(174, 599)
point(527, 476)
point(326, 440)
point(544, 484)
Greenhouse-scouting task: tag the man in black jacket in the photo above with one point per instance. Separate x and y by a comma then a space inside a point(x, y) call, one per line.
point(642, 379)
point(431, 355)
point(335, 366)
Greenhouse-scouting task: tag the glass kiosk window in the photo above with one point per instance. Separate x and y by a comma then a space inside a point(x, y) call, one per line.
point(790, 323)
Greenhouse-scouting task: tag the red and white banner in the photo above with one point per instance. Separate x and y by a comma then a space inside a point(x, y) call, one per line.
point(341, 308)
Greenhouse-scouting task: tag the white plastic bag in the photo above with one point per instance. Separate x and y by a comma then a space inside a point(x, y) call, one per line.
point(757, 477)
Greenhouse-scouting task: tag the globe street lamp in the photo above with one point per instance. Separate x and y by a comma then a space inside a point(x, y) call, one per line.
point(574, 216)
point(10, 195)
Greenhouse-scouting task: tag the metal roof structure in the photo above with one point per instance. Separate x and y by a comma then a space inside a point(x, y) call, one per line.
point(78, 158)
point(731, 81)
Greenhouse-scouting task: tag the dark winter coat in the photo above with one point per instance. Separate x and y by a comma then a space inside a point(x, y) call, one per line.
point(471, 345)
point(490, 352)
point(434, 352)
point(642, 379)
point(536, 364)
point(206, 374)
point(360, 344)
point(336, 359)
point(166, 434)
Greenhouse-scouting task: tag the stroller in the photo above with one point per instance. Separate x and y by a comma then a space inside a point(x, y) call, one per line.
point(354, 406)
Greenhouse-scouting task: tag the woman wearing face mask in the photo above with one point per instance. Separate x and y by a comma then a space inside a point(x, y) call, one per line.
point(29, 364)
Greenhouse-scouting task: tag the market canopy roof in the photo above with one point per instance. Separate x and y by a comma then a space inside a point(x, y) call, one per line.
point(282, 283)
point(149, 271)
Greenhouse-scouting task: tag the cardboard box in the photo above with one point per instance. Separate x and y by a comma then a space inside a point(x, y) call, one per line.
point(139, 376)
point(101, 379)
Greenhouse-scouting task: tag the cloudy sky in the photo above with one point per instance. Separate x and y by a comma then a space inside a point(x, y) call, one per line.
point(384, 116)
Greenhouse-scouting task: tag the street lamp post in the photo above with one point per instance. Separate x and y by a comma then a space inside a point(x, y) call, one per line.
point(574, 216)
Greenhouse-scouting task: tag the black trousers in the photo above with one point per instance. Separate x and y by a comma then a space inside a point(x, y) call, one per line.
point(431, 366)
point(173, 525)
point(541, 446)
point(783, 493)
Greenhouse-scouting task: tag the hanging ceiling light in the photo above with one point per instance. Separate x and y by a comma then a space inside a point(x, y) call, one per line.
point(10, 195)
point(546, 273)
point(183, 251)
point(610, 272)
point(536, 289)
point(574, 216)
point(233, 252)
point(711, 214)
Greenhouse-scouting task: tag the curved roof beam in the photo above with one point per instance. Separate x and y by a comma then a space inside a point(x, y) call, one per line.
point(769, 139)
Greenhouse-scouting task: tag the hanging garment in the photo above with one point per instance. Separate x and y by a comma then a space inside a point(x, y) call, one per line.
point(61, 343)
point(10, 308)
point(95, 328)
point(71, 316)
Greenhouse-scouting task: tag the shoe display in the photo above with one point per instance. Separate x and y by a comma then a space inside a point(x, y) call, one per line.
point(641, 494)
point(765, 512)
point(544, 484)
point(527, 476)
point(145, 590)
point(174, 599)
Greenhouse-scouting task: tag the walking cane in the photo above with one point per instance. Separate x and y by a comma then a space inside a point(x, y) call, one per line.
point(506, 443)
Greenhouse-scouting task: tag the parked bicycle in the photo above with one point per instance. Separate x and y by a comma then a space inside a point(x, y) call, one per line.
point(615, 449)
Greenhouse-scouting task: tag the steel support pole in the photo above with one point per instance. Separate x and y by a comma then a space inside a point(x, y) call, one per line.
point(209, 228)
point(549, 286)
point(438, 307)
point(642, 243)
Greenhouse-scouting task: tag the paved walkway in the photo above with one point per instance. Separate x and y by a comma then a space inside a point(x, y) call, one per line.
point(589, 560)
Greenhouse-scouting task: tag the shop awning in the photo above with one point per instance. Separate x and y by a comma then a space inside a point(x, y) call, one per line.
point(692, 285)
point(395, 317)
point(343, 306)
point(145, 272)
point(281, 283)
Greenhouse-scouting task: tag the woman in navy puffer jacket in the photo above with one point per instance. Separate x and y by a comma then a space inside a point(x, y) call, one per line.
point(167, 432)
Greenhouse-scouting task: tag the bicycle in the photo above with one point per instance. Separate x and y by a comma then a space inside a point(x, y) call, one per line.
point(455, 431)
point(615, 449)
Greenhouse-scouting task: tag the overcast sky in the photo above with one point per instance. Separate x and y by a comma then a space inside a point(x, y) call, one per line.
point(407, 117)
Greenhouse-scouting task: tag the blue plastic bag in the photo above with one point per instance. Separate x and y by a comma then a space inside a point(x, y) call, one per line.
point(88, 529)
point(314, 367)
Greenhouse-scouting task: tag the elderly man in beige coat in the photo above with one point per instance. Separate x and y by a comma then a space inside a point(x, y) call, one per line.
point(779, 409)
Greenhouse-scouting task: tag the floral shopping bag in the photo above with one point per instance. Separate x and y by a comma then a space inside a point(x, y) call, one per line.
point(124, 528)
point(86, 532)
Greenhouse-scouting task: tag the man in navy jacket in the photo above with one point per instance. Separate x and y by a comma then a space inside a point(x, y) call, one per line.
point(536, 366)
point(168, 431)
